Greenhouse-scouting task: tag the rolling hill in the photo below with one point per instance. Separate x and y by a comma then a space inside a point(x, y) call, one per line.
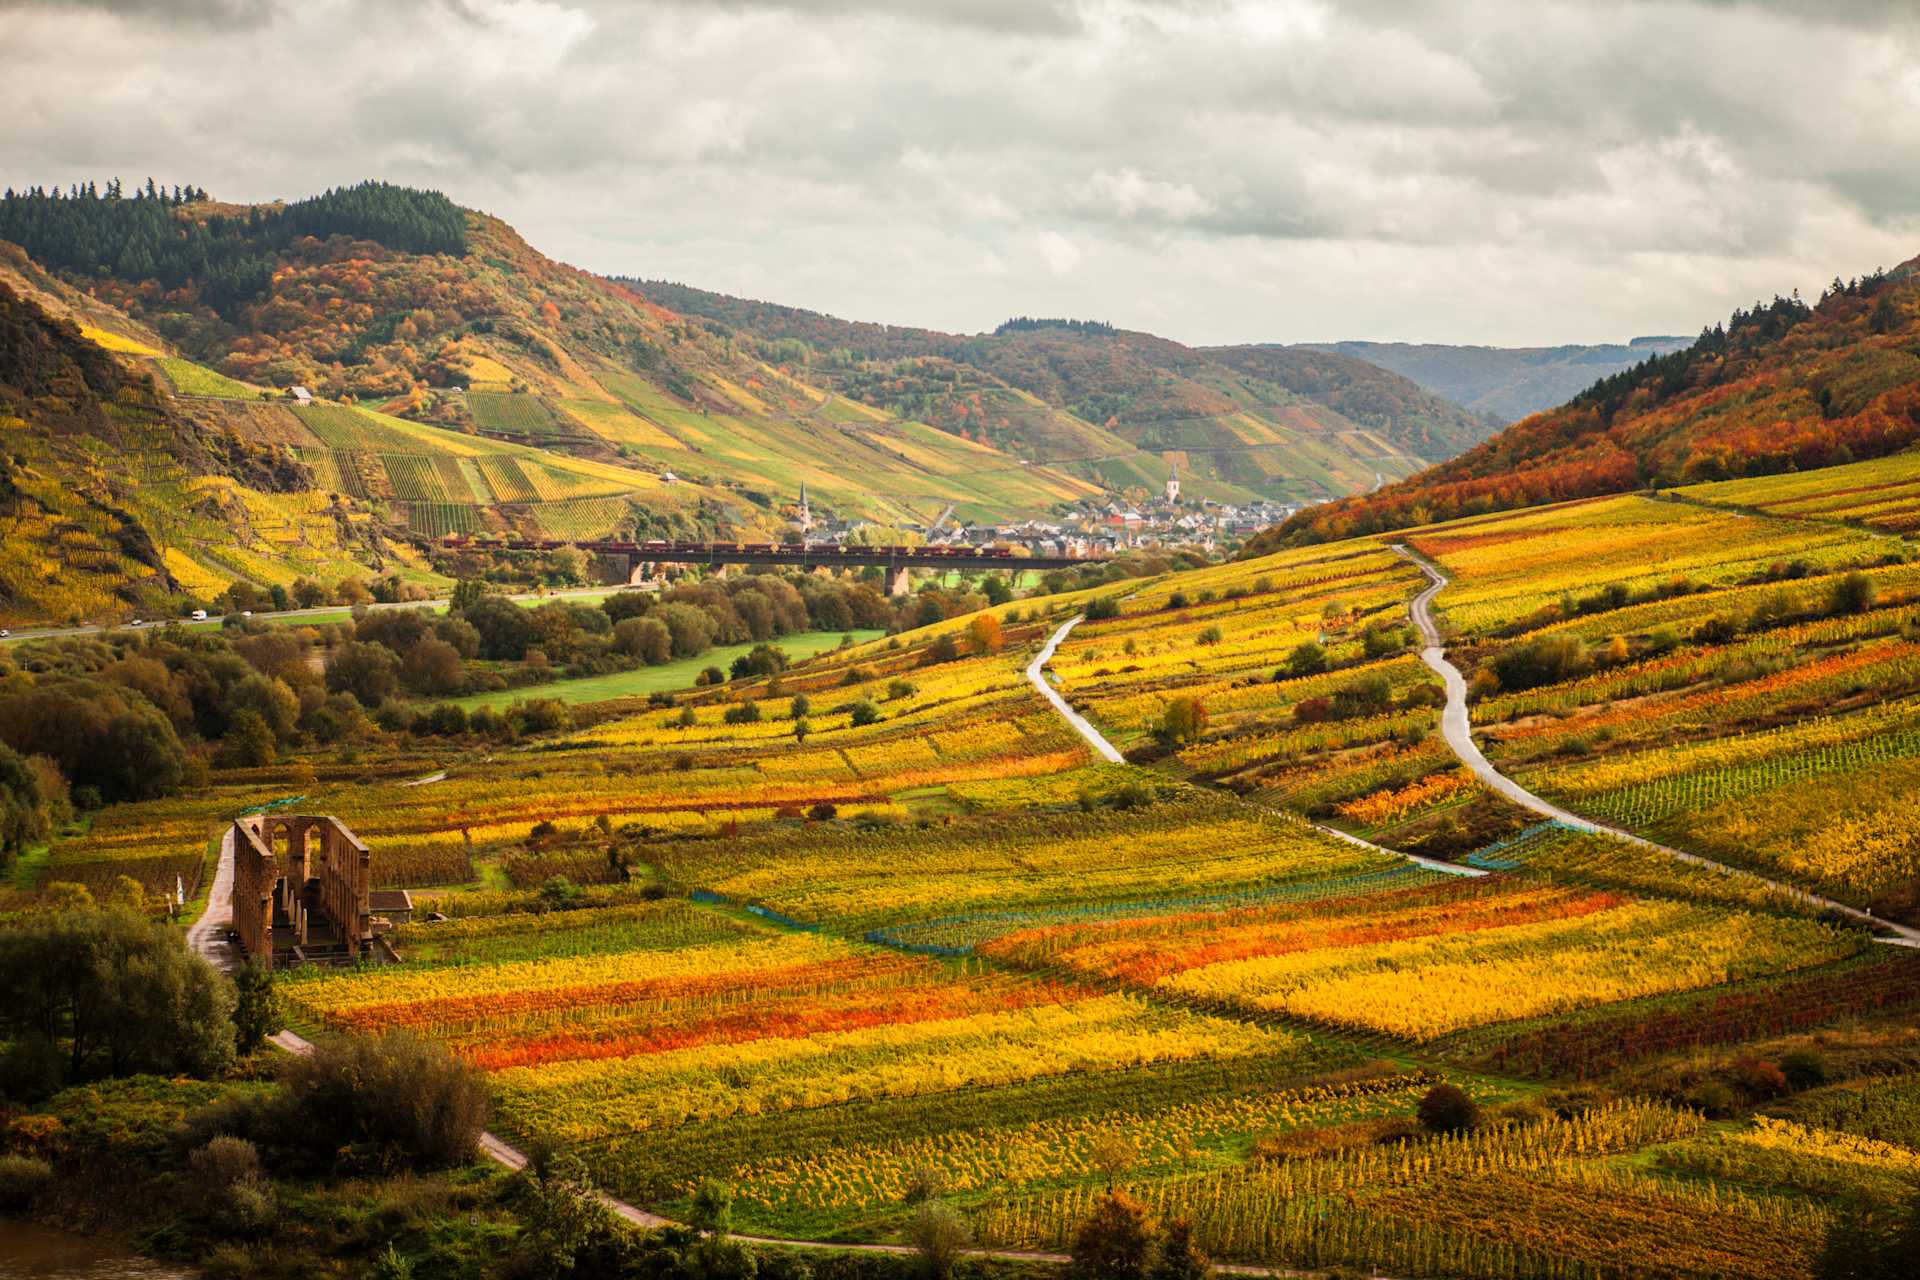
point(1505, 384)
point(462, 382)
point(1116, 406)
point(1784, 386)
point(371, 297)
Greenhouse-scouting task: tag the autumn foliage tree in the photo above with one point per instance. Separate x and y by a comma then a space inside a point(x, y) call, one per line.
point(1184, 720)
point(984, 635)
point(1116, 1242)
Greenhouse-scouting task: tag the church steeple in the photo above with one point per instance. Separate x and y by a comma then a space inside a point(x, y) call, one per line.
point(1173, 484)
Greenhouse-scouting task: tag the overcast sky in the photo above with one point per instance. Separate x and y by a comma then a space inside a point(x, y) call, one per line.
point(1515, 173)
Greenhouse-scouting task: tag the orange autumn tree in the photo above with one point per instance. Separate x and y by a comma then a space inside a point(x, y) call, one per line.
point(984, 635)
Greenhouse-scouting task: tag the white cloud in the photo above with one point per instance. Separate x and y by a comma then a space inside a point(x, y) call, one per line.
point(1217, 170)
point(1059, 253)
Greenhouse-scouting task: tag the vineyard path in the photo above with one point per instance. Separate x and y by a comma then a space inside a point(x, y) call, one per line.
point(207, 937)
point(1457, 729)
point(1036, 672)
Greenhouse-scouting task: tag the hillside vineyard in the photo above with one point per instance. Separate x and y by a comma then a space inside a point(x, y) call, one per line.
point(1494, 859)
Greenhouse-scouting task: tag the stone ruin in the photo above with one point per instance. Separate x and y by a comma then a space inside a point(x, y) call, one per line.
point(302, 892)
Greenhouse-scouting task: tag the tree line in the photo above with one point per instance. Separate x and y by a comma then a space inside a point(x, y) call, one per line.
point(154, 234)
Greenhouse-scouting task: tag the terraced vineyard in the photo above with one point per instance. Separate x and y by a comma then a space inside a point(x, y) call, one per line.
point(928, 946)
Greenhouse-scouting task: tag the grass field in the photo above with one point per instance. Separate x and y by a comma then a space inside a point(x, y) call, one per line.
point(665, 678)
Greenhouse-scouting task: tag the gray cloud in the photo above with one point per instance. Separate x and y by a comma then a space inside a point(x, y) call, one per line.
point(1217, 170)
point(184, 13)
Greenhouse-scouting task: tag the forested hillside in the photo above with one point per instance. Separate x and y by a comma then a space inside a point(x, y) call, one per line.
point(1505, 384)
point(1415, 419)
point(1305, 428)
point(1782, 386)
point(462, 383)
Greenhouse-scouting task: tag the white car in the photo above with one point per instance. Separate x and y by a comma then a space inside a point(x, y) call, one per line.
point(246, 613)
point(199, 615)
point(136, 623)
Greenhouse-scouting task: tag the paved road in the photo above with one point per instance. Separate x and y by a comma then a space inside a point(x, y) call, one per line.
point(207, 935)
point(1036, 672)
point(1457, 728)
point(288, 615)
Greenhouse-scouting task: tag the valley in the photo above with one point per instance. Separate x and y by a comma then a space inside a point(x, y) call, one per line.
point(516, 770)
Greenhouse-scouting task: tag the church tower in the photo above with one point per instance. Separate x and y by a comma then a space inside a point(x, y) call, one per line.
point(1173, 485)
point(806, 513)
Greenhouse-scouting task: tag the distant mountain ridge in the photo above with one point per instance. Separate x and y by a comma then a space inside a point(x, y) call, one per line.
point(1783, 386)
point(1118, 405)
point(1506, 383)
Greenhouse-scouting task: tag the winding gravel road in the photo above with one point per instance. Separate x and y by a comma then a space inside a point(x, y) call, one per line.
point(1036, 672)
point(1457, 729)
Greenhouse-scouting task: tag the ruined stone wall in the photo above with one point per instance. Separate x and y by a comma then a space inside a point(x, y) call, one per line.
point(255, 869)
point(317, 847)
point(346, 880)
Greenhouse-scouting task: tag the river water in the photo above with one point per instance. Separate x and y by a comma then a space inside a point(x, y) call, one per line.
point(32, 1252)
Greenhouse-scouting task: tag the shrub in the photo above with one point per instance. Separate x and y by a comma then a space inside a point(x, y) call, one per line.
point(1210, 635)
point(1854, 593)
point(711, 1211)
point(222, 1162)
point(1313, 710)
point(1805, 1069)
point(1185, 720)
point(1381, 639)
point(22, 1178)
point(1368, 696)
point(1760, 1080)
point(743, 713)
point(938, 1235)
point(898, 689)
point(1180, 1258)
point(761, 660)
point(259, 1012)
point(864, 713)
point(1177, 600)
point(1107, 607)
point(448, 720)
point(1446, 1108)
point(396, 1094)
point(247, 1207)
point(799, 707)
point(1547, 660)
point(1713, 1099)
point(545, 715)
point(1307, 659)
point(1116, 1241)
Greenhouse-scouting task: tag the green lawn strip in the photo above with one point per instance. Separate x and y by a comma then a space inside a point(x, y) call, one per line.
point(29, 867)
point(667, 677)
point(196, 904)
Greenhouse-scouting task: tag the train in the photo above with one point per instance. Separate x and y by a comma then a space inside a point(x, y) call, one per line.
point(710, 550)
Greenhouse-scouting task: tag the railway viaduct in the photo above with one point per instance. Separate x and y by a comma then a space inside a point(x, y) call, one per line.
point(641, 557)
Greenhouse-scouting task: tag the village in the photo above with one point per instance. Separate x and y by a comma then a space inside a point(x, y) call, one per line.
point(1102, 528)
